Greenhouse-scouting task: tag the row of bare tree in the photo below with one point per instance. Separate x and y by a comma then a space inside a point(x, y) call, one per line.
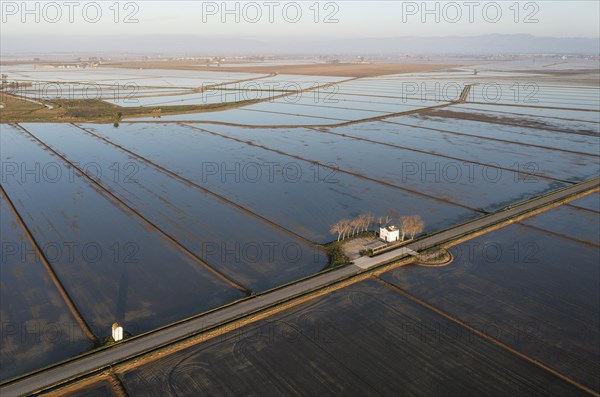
point(409, 225)
point(349, 227)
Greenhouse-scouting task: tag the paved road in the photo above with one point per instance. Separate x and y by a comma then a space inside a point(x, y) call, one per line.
point(366, 262)
point(157, 339)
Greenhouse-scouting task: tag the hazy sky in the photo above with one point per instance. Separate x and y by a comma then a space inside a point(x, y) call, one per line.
point(303, 18)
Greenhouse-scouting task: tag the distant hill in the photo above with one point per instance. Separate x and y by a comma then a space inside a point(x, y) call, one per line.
point(187, 44)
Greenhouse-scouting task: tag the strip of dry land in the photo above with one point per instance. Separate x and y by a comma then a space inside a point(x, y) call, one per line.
point(319, 69)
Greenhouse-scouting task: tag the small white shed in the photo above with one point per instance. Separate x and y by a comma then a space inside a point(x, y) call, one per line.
point(389, 233)
point(117, 332)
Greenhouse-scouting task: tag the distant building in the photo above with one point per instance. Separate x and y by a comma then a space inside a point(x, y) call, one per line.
point(389, 233)
point(117, 332)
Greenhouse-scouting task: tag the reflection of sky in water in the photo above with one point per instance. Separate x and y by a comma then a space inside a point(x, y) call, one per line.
point(190, 215)
point(300, 196)
point(476, 185)
point(535, 283)
point(534, 136)
point(25, 279)
point(61, 207)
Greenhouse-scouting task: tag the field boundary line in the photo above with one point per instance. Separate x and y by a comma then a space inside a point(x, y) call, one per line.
point(327, 106)
point(517, 217)
point(482, 334)
point(583, 208)
point(531, 115)
point(491, 138)
point(321, 164)
point(501, 122)
point(565, 236)
point(121, 204)
point(201, 89)
point(439, 155)
point(195, 185)
point(53, 276)
point(351, 277)
point(532, 106)
point(465, 93)
point(117, 386)
point(306, 288)
point(342, 124)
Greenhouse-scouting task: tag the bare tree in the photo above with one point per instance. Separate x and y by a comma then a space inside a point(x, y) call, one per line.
point(387, 220)
point(418, 226)
point(366, 222)
point(362, 222)
point(343, 228)
point(338, 228)
point(394, 214)
point(346, 227)
point(356, 224)
point(369, 220)
point(352, 226)
point(349, 226)
point(415, 225)
point(405, 222)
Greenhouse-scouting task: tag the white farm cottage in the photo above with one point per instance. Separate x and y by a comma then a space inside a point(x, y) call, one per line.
point(389, 233)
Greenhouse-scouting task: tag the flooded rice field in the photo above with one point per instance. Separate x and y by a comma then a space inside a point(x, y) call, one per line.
point(110, 262)
point(102, 388)
point(570, 222)
point(245, 116)
point(532, 94)
point(590, 202)
point(547, 138)
point(299, 109)
point(37, 327)
point(529, 288)
point(539, 161)
point(204, 98)
point(331, 104)
point(551, 119)
point(105, 75)
point(365, 339)
point(122, 95)
point(155, 220)
point(459, 181)
point(192, 216)
point(303, 197)
point(289, 82)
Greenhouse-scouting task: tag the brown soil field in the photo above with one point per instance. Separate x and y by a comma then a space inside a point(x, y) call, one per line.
point(341, 69)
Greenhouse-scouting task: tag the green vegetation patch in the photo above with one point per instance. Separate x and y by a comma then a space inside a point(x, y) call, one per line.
point(336, 255)
point(17, 110)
